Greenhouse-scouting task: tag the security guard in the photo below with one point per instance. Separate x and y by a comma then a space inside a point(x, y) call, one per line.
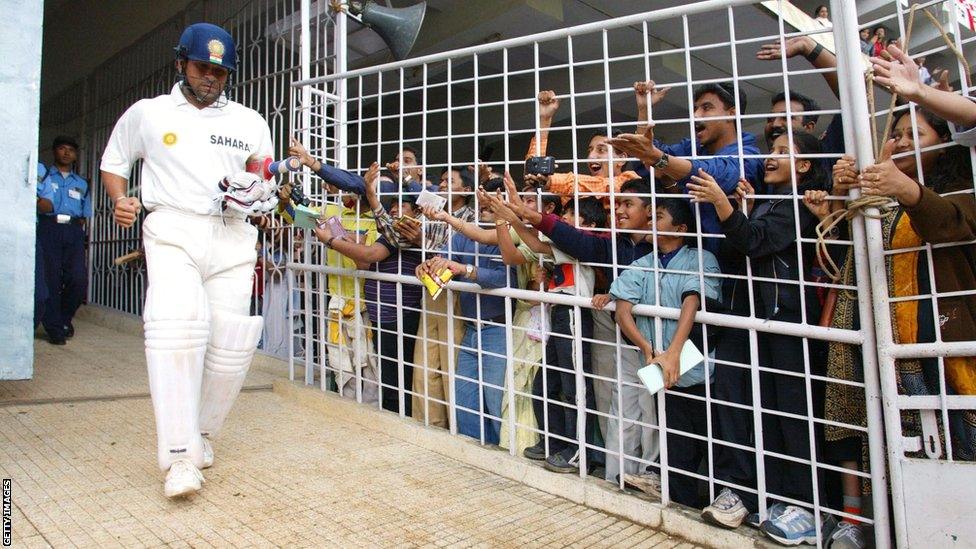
point(61, 233)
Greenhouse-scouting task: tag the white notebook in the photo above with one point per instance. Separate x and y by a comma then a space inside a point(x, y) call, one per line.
point(653, 376)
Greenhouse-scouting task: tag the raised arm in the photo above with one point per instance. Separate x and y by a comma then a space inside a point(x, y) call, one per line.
point(548, 105)
point(362, 254)
point(806, 46)
point(644, 91)
point(470, 230)
point(901, 76)
point(504, 218)
point(343, 179)
point(643, 147)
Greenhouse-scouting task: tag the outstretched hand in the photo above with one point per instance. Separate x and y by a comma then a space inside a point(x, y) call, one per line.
point(296, 149)
point(515, 202)
point(371, 178)
point(899, 75)
point(496, 203)
point(637, 145)
point(800, 45)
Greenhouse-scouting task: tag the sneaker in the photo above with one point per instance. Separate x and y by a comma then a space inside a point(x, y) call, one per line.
point(795, 526)
point(536, 452)
point(848, 536)
point(774, 511)
point(648, 482)
point(57, 340)
point(726, 511)
point(564, 461)
point(69, 330)
point(182, 479)
point(207, 454)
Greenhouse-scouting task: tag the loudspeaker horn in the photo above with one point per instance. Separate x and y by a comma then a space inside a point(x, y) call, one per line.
point(398, 27)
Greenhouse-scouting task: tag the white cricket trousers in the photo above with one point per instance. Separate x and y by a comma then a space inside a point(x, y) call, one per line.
point(199, 339)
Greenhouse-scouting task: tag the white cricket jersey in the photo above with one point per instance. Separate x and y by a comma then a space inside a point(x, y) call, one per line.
point(185, 151)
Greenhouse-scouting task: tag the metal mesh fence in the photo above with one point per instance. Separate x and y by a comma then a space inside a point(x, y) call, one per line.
point(811, 389)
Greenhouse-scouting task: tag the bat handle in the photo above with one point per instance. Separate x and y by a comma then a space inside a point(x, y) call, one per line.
point(290, 164)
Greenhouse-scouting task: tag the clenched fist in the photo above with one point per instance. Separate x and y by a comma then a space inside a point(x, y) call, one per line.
point(126, 211)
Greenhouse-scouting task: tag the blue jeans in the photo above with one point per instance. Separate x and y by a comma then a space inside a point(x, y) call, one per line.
point(472, 394)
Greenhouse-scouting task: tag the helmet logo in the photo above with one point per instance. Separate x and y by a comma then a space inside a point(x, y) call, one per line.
point(216, 49)
point(169, 139)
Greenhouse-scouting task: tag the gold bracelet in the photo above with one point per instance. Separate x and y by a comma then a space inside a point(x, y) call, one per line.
point(501, 222)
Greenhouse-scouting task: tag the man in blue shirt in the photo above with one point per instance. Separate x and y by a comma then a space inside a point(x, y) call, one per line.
point(717, 140)
point(61, 233)
point(484, 331)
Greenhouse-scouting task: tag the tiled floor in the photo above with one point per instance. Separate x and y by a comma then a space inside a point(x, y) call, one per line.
point(84, 474)
point(97, 362)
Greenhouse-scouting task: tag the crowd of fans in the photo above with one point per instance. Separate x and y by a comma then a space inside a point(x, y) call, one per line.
point(674, 229)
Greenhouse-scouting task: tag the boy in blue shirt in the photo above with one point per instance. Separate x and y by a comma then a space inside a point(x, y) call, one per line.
point(669, 278)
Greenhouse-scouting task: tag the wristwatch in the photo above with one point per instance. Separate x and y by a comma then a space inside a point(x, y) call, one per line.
point(662, 162)
point(468, 271)
point(328, 243)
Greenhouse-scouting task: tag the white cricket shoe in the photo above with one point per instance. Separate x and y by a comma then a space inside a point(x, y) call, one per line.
point(208, 456)
point(182, 479)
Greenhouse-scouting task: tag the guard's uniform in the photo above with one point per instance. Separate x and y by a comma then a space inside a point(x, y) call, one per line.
point(199, 339)
point(61, 236)
point(45, 191)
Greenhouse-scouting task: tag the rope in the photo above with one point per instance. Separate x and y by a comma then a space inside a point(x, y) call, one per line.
point(828, 225)
point(882, 203)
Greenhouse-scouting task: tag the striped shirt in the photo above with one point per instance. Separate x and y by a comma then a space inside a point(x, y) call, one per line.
point(383, 295)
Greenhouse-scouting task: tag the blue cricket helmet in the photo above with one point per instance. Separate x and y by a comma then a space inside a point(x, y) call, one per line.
point(208, 43)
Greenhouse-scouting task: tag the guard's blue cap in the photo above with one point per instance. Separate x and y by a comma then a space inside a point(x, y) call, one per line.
point(208, 43)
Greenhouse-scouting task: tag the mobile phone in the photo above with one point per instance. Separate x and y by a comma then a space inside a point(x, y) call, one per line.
point(540, 165)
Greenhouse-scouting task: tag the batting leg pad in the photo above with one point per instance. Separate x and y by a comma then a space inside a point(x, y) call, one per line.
point(233, 340)
point(177, 329)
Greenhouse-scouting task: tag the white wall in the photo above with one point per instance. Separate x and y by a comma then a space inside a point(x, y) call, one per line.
point(20, 78)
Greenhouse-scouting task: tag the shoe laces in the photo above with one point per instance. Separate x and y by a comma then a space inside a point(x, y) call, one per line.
point(792, 513)
point(848, 530)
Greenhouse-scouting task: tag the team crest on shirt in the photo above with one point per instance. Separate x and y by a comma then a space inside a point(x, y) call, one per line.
point(169, 139)
point(216, 49)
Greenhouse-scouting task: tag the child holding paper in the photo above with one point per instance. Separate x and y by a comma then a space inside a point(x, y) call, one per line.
point(670, 278)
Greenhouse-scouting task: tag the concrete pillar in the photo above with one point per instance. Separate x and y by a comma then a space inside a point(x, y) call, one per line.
point(20, 88)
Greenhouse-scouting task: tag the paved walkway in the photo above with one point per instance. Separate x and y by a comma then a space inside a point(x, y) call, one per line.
point(78, 442)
